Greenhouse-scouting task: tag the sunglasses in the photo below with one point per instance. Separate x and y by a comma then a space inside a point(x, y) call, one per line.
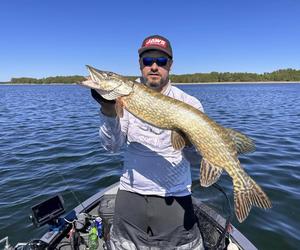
point(160, 61)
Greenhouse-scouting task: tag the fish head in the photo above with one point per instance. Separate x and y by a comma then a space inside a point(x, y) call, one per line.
point(108, 84)
point(105, 80)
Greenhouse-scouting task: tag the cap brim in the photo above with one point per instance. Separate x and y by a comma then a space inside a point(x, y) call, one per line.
point(142, 50)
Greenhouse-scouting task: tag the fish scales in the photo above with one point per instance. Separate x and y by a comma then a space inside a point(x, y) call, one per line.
point(217, 145)
point(172, 114)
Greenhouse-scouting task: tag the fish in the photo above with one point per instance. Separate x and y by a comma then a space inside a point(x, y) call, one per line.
point(219, 146)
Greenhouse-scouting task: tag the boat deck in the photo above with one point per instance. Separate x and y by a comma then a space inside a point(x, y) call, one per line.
point(212, 225)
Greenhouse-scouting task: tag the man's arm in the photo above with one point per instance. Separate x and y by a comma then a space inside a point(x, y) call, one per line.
point(112, 131)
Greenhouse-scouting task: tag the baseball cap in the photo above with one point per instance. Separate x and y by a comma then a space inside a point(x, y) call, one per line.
point(156, 42)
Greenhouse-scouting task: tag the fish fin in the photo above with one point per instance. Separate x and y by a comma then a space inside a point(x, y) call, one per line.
point(243, 143)
point(209, 173)
point(177, 140)
point(119, 108)
point(245, 197)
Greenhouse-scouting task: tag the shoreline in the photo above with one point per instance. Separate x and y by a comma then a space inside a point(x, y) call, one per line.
point(216, 83)
point(173, 83)
point(47, 84)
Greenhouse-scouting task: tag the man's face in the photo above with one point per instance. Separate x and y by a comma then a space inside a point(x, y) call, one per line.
point(154, 76)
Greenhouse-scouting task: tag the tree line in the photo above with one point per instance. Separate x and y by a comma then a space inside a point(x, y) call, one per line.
point(47, 80)
point(278, 75)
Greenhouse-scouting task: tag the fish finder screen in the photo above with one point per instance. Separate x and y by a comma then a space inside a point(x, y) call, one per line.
point(51, 207)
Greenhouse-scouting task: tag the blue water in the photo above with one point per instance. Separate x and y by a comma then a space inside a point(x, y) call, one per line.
point(49, 145)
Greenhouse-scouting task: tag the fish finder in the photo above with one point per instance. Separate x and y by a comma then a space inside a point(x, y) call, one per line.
point(47, 211)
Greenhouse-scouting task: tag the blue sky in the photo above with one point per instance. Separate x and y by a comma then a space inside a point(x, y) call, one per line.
point(41, 38)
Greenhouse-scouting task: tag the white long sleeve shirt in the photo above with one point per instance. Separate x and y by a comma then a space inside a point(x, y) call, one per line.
point(151, 165)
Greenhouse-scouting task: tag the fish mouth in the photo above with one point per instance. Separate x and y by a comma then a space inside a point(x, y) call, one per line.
point(101, 75)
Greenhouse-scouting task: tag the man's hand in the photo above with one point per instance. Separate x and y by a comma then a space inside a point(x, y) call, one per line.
point(107, 107)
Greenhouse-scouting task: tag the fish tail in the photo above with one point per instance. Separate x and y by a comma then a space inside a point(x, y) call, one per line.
point(246, 195)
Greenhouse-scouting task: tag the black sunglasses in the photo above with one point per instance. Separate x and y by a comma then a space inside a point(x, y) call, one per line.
point(160, 61)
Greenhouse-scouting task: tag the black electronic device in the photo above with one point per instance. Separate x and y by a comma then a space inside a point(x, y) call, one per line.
point(47, 211)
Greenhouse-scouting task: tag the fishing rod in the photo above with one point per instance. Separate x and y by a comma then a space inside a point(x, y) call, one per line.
point(79, 203)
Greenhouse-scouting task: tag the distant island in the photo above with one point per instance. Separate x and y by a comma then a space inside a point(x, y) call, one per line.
point(282, 75)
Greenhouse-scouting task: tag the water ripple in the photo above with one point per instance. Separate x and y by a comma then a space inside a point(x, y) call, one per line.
point(49, 145)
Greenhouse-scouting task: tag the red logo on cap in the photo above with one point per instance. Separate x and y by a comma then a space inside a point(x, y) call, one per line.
point(155, 42)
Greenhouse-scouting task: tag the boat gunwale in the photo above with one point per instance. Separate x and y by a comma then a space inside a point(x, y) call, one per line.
point(92, 201)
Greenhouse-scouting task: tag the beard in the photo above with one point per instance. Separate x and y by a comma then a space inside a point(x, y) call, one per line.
point(155, 84)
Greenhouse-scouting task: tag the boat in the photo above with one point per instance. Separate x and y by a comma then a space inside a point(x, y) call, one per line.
point(71, 231)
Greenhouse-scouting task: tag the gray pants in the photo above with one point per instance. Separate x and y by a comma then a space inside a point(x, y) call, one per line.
point(154, 222)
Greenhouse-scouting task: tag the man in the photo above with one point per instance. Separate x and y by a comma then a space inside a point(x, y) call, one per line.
point(153, 205)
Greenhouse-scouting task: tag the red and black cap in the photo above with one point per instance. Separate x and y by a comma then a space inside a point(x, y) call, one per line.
point(156, 42)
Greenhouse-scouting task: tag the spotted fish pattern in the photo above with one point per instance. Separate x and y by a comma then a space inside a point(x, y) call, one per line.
point(218, 146)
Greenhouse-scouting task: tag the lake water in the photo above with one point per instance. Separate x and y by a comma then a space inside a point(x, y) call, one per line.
point(50, 144)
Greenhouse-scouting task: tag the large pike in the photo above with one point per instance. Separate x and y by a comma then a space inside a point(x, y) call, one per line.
point(218, 146)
